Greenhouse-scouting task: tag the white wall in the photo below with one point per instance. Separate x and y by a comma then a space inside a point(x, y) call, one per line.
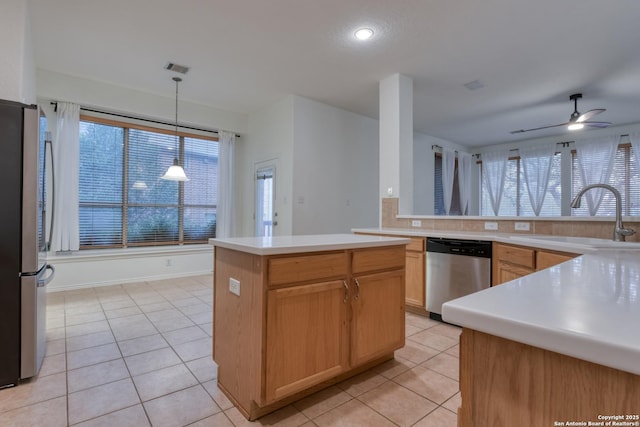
point(100, 267)
point(108, 97)
point(335, 169)
point(17, 74)
point(269, 137)
point(108, 267)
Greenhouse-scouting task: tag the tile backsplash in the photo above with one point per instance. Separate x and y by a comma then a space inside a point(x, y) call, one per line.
point(578, 228)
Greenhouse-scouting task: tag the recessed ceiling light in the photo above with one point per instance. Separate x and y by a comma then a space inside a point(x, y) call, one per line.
point(363, 34)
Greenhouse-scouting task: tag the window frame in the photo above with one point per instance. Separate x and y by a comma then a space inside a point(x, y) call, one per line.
point(124, 205)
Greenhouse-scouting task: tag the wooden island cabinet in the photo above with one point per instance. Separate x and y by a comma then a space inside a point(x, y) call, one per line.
point(415, 265)
point(303, 321)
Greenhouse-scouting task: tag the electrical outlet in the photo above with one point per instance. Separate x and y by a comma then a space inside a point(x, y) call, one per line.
point(416, 223)
point(234, 286)
point(522, 226)
point(490, 225)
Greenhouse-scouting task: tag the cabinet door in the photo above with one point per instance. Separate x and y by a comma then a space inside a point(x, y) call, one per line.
point(377, 325)
point(416, 285)
point(306, 337)
point(507, 272)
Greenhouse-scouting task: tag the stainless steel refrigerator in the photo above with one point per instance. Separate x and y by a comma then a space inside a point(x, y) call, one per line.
point(24, 272)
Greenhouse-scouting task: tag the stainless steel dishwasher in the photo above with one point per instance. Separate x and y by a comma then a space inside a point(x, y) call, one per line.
point(455, 268)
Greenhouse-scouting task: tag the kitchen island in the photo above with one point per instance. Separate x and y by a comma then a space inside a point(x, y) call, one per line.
point(556, 346)
point(294, 314)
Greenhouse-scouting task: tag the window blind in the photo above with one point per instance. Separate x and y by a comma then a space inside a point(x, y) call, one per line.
point(625, 178)
point(101, 184)
point(515, 200)
point(123, 200)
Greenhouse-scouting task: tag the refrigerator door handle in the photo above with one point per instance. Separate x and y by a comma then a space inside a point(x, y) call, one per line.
point(46, 280)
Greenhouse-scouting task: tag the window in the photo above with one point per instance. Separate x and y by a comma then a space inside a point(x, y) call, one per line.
point(515, 197)
point(439, 192)
point(625, 178)
point(123, 202)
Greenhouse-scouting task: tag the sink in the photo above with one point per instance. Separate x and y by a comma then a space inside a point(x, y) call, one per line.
point(577, 242)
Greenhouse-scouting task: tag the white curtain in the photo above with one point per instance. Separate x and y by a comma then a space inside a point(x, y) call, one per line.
point(225, 221)
point(536, 165)
point(464, 181)
point(494, 168)
point(448, 169)
point(66, 157)
point(596, 157)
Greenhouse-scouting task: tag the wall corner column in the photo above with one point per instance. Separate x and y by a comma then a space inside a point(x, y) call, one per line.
point(396, 140)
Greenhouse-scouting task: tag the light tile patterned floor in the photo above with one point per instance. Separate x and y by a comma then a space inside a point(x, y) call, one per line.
point(139, 354)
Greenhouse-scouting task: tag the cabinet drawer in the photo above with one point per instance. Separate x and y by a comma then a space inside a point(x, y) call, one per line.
point(307, 267)
point(516, 255)
point(378, 259)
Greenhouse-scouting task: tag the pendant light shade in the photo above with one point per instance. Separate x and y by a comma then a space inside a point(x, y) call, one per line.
point(175, 171)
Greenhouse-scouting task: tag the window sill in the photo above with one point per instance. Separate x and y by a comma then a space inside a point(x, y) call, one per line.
point(127, 253)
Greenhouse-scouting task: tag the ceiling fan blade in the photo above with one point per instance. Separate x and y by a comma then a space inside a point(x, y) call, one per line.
point(540, 128)
point(586, 116)
point(597, 124)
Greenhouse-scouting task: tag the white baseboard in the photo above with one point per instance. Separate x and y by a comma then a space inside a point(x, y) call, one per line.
point(72, 287)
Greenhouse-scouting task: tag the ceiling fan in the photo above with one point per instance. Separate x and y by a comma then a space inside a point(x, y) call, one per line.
point(577, 120)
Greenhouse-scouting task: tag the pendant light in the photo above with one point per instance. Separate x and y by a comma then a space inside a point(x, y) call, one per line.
point(175, 171)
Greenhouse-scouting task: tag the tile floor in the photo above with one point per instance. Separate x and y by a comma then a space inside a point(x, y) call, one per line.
point(139, 354)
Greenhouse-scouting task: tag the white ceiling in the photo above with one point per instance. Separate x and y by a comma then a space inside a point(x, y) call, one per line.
point(247, 54)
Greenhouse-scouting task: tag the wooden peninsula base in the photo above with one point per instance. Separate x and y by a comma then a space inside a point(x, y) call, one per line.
point(506, 383)
point(289, 324)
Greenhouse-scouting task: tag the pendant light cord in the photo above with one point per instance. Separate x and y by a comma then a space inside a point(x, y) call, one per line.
point(177, 80)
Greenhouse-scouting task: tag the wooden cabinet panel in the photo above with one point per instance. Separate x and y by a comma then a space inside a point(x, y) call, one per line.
point(545, 259)
point(507, 383)
point(417, 244)
point(307, 267)
point(377, 325)
point(507, 272)
point(378, 259)
point(512, 262)
point(306, 337)
point(515, 255)
point(415, 280)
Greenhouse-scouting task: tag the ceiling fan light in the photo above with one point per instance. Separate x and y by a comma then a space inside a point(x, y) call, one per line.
point(575, 126)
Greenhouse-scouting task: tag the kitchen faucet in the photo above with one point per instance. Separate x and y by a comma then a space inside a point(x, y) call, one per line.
point(619, 232)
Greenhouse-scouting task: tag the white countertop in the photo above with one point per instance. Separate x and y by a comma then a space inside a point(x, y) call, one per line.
point(310, 243)
point(576, 245)
point(588, 308)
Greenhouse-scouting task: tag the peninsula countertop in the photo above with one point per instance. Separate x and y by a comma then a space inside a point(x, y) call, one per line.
point(588, 308)
point(276, 245)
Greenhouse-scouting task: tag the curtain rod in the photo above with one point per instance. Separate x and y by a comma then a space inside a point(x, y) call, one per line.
point(563, 143)
point(125, 116)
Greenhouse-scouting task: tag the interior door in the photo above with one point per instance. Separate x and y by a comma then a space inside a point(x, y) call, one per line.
point(265, 216)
